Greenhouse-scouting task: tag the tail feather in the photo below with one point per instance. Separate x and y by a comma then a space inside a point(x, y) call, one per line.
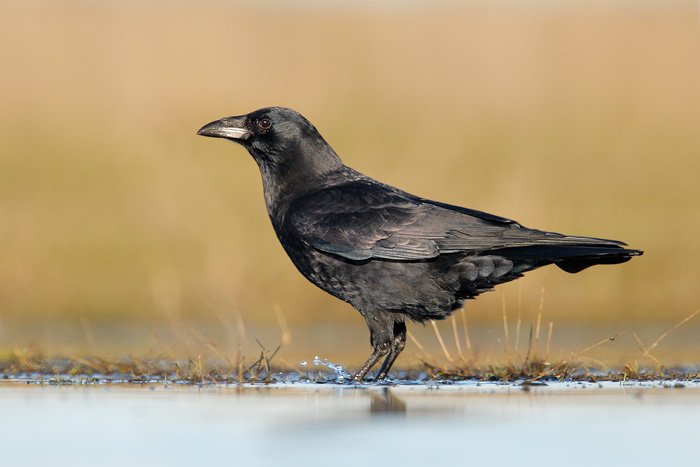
point(574, 265)
point(571, 258)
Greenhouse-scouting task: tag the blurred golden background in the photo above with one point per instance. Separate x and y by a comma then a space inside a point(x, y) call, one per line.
point(121, 231)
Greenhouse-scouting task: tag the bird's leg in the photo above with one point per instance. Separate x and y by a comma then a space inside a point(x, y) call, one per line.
point(397, 346)
point(381, 336)
point(379, 352)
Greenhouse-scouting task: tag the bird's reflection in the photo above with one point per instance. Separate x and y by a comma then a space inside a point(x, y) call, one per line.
point(385, 402)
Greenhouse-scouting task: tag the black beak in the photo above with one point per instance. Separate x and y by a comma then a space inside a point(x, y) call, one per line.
point(229, 128)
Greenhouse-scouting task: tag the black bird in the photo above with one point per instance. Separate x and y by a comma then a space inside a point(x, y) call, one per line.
point(390, 254)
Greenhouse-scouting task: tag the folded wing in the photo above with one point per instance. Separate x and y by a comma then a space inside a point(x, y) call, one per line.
point(365, 220)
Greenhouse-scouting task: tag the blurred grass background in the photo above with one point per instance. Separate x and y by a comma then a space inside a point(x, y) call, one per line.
point(122, 231)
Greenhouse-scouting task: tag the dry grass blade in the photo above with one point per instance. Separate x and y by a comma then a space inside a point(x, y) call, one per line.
point(505, 329)
point(442, 343)
point(539, 318)
point(468, 340)
point(549, 340)
point(87, 330)
point(529, 345)
point(517, 325)
point(589, 373)
point(673, 328)
point(644, 349)
point(574, 356)
point(422, 349)
point(211, 345)
point(286, 334)
point(455, 334)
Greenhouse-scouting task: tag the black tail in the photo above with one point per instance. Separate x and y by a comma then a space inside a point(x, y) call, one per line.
point(587, 259)
point(571, 258)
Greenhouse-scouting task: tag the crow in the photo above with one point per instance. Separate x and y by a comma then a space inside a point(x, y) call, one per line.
point(392, 255)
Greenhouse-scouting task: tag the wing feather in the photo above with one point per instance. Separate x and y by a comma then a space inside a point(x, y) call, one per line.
point(364, 220)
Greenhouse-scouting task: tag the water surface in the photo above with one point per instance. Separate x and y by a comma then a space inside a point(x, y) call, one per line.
point(458, 424)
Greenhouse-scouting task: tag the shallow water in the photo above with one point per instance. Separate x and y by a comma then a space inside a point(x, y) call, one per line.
point(459, 424)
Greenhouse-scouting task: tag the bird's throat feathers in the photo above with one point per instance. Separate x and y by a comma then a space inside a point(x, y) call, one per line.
point(296, 170)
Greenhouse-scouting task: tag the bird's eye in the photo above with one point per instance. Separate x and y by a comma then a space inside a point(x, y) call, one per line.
point(265, 123)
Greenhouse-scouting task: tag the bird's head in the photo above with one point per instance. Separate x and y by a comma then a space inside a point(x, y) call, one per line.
point(293, 157)
point(276, 137)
